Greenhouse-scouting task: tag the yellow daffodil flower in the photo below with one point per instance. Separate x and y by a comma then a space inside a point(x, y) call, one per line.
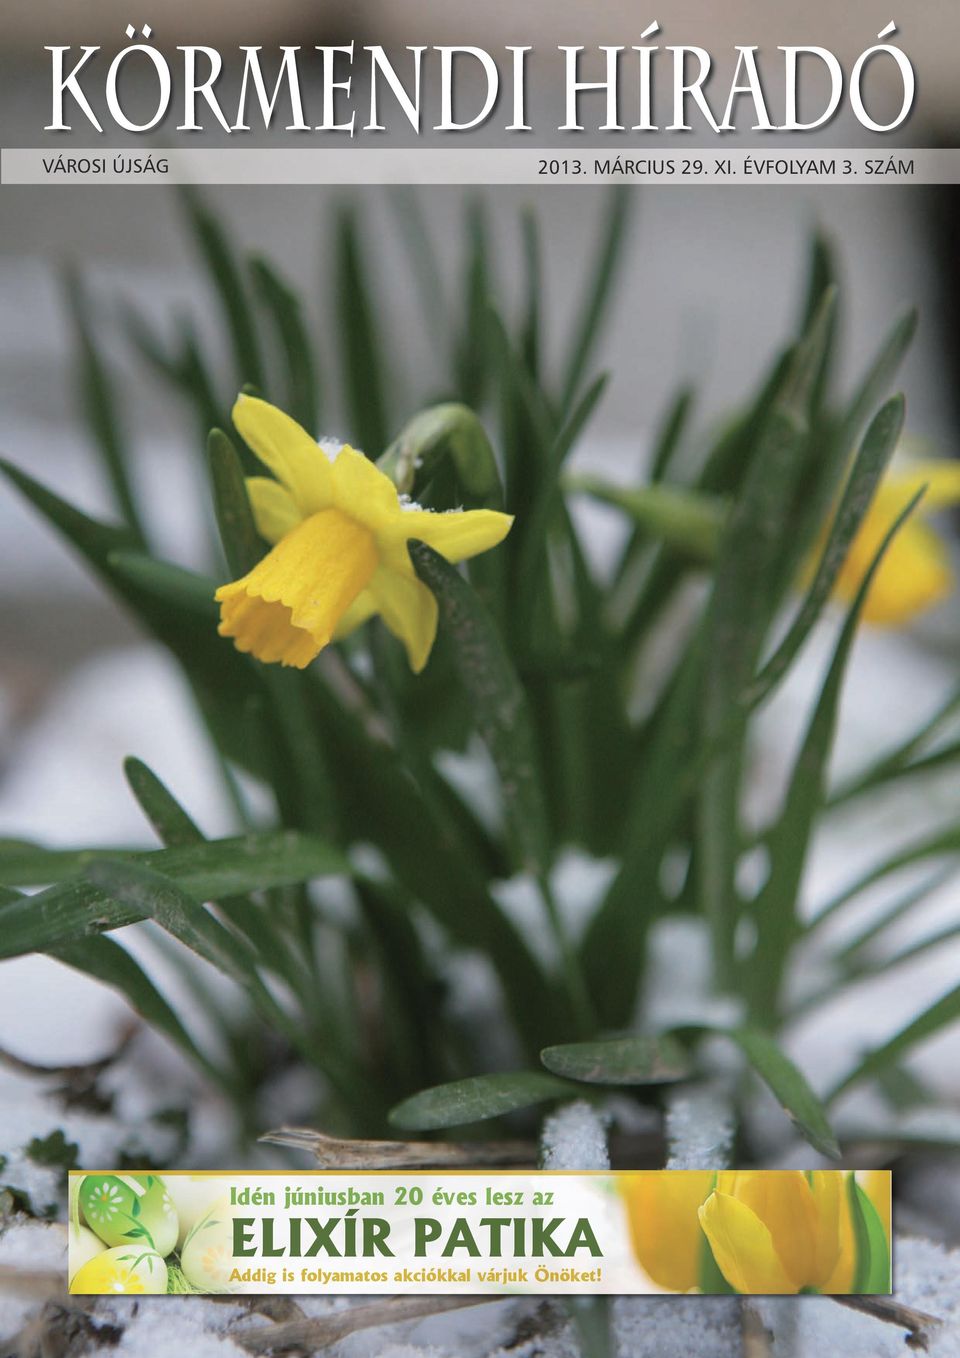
point(876, 1184)
point(662, 1210)
point(339, 531)
point(915, 573)
point(778, 1232)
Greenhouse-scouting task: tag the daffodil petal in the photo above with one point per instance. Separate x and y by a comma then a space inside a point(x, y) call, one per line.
point(287, 450)
point(457, 535)
point(743, 1247)
point(913, 577)
point(360, 488)
point(288, 607)
point(410, 611)
point(940, 477)
point(363, 607)
point(664, 1227)
point(275, 510)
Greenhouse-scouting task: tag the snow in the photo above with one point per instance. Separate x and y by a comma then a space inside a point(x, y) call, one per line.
point(574, 1138)
point(700, 1129)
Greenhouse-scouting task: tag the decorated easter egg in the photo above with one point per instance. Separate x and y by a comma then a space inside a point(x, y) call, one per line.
point(123, 1269)
point(127, 1209)
point(207, 1254)
point(83, 1245)
point(193, 1195)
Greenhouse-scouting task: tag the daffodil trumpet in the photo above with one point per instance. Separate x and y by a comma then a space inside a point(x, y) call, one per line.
point(339, 532)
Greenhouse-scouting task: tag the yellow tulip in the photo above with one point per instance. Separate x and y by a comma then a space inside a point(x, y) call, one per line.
point(915, 573)
point(662, 1212)
point(340, 533)
point(775, 1232)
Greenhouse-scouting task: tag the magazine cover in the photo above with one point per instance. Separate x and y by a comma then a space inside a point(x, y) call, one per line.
point(479, 679)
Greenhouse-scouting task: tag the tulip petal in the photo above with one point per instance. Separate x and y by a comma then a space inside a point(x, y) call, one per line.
point(457, 535)
point(274, 509)
point(287, 450)
point(743, 1247)
point(826, 1187)
point(664, 1227)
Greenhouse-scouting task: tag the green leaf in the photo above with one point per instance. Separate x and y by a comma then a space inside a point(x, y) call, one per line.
point(477, 1099)
point(414, 235)
point(872, 461)
point(620, 1061)
point(741, 608)
point(597, 295)
point(106, 961)
point(872, 1270)
point(154, 896)
point(775, 910)
point(686, 520)
point(173, 826)
point(98, 399)
point(218, 256)
point(242, 544)
point(500, 706)
point(359, 330)
point(300, 359)
point(381, 803)
point(939, 1015)
point(472, 352)
point(790, 1088)
point(530, 332)
point(221, 868)
point(181, 590)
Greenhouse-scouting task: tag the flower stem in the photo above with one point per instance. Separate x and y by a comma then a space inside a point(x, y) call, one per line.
point(574, 980)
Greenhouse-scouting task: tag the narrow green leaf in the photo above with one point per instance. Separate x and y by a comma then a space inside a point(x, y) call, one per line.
point(620, 1061)
point(359, 331)
point(173, 826)
point(500, 706)
point(939, 1015)
point(789, 1086)
point(670, 434)
point(905, 758)
point(471, 355)
point(940, 843)
point(741, 608)
point(381, 803)
point(299, 354)
point(242, 544)
point(212, 871)
point(477, 1099)
point(98, 398)
point(597, 294)
point(153, 896)
point(775, 910)
point(180, 589)
point(414, 235)
point(106, 961)
point(218, 255)
point(871, 1275)
point(686, 520)
point(530, 337)
point(872, 460)
point(176, 829)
